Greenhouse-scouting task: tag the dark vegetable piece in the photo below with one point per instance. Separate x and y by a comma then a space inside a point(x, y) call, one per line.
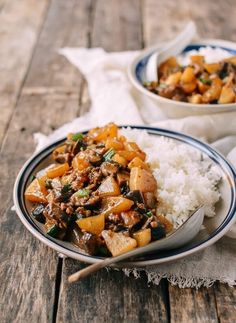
point(109, 168)
point(54, 231)
point(159, 232)
point(124, 188)
point(78, 146)
point(103, 251)
point(88, 243)
point(135, 196)
point(66, 188)
point(48, 184)
point(38, 213)
point(224, 70)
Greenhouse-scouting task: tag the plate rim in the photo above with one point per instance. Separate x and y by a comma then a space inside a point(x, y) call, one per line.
point(52, 243)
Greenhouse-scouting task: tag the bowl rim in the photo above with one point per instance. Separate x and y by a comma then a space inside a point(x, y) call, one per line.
point(52, 243)
point(225, 44)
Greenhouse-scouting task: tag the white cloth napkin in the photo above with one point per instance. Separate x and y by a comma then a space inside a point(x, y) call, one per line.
point(114, 100)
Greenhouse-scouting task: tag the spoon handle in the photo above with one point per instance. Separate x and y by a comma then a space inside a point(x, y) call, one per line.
point(91, 269)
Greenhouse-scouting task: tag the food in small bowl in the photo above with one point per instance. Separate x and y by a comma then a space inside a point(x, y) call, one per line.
point(112, 190)
point(204, 84)
point(198, 82)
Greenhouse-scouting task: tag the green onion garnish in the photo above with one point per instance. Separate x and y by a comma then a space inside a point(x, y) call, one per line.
point(32, 177)
point(77, 136)
point(109, 154)
point(82, 193)
point(149, 214)
point(162, 85)
point(204, 81)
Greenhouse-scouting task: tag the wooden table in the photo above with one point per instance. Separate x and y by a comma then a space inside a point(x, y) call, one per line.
point(40, 91)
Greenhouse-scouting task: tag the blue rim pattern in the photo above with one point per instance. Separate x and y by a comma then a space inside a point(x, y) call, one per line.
point(212, 154)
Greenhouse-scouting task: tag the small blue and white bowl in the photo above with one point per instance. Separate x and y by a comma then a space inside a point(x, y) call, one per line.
point(171, 108)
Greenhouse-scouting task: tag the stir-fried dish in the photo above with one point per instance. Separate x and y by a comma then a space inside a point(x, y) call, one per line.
point(99, 194)
point(198, 82)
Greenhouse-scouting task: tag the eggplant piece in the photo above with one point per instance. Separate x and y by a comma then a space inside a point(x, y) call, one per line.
point(150, 200)
point(89, 243)
point(109, 168)
point(124, 188)
point(55, 231)
point(38, 213)
point(224, 71)
point(130, 218)
point(102, 250)
point(135, 196)
point(79, 145)
point(65, 194)
point(159, 232)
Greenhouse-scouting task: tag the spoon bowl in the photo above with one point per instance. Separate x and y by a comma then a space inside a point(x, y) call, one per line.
point(172, 48)
point(182, 235)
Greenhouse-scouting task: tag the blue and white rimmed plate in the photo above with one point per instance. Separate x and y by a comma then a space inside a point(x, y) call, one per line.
point(172, 108)
point(215, 227)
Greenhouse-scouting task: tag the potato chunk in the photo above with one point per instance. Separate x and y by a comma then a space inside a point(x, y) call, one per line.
point(92, 224)
point(227, 95)
point(118, 243)
point(79, 163)
point(109, 187)
point(137, 162)
point(142, 180)
point(58, 170)
point(143, 237)
point(34, 193)
point(116, 204)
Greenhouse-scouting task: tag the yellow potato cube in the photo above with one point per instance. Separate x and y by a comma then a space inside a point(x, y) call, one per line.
point(92, 224)
point(143, 237)
point(34, 193)
point(118, 243)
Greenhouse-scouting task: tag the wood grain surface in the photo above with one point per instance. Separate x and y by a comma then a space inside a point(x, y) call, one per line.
point(40, 91)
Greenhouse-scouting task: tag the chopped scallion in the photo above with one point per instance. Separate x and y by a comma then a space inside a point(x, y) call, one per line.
point(77, 136)
point(149, 214)
point(32, 177)
point(109, 154)
point(204, 81)
point(82, 193)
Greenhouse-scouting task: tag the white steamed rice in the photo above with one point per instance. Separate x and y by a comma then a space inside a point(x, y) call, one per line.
point(185, 179)
point(211, 55)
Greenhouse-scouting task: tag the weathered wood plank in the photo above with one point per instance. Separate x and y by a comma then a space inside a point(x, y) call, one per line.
point(191, 305)
point(67, 24)
point(162, 19)
point(20, 24)
point(226, 302)
point(28, 267)
point(117, 25)
point(2, 4)
point(110, 297)
point(31, 274)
